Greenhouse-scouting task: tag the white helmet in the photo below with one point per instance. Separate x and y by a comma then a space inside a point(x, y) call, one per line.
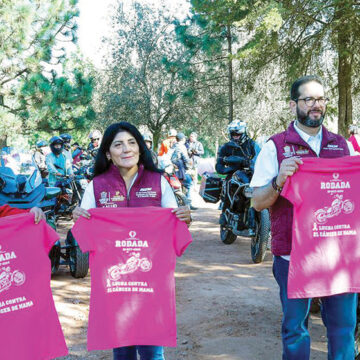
point(95, 134)
point(172, 132)
point(237, 126)
point(353, 129)
point(148, 137)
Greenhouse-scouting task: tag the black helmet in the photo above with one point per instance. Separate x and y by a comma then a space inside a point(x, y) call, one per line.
point(66, 137)
point(55, 140)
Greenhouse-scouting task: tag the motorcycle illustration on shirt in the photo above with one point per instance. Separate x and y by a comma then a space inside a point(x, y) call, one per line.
point(132, 264)
point(337, 207)
point(8, 277)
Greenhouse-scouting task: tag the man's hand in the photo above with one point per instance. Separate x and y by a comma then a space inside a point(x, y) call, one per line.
point(183, 213)
point(288, 167)
point(39, 214)
point(78, 211)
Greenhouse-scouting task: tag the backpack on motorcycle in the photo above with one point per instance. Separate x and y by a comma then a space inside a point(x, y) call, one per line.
point(210, 188)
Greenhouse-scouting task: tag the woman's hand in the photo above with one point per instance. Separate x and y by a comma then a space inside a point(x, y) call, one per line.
point(78, 211)
point(39, 214)
point(183, 213)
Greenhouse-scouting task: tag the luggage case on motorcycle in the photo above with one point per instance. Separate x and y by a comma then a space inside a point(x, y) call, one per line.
point(210, 188)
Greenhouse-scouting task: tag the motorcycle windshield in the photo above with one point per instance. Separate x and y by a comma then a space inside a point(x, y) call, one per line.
point(19, 173)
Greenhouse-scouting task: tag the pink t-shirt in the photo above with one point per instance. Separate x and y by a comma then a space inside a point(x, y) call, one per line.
point(29, 323)
point(325, 255)
point(132, 260)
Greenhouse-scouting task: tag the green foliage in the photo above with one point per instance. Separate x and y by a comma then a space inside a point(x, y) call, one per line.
point(144, 77)
point(300, 37)
point(41, 87)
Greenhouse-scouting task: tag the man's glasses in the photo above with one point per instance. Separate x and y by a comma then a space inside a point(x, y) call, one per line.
point(310, 101)
point(93, 140)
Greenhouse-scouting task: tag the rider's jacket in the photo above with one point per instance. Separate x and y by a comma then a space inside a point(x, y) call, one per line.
point(288, 144)
point(68, 155)
point(7, 210)
point(232, 156)
point(195, 150)
point(57, 164)
point(39, 158)
point(110, 189)
point(181, 159)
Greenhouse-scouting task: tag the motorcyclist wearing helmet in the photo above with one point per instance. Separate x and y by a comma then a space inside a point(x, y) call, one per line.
point(95, 140)
point(149, 143)
point(67, 147)
point(237, 155)
point(57, 163)
point(77, 151)
point(168, 143)
point(39, 157)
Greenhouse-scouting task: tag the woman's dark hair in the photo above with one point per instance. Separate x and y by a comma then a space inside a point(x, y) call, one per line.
point(294, 91)
point(102, 163)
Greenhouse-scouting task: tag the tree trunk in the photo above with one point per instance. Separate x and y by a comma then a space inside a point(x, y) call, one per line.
point(3, 141)
point(156, 138)
point(230, 75)
point(344, 72)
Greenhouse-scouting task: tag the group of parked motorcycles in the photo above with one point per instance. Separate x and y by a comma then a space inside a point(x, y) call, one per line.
point(22, 186)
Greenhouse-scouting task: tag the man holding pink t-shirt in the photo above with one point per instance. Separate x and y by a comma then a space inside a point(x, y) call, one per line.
point(280, 158)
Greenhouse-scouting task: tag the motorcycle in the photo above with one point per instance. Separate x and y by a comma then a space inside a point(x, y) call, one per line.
point(8, 277)
point(85, 167)
point(337, 206)
point(72, 190)
point(237, 213)
point(176, 185)
point(21, 186)
point(169, 173)
point(132, 264)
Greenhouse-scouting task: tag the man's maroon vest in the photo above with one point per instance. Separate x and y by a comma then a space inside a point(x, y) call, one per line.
point(288, 144)
point(110, 189)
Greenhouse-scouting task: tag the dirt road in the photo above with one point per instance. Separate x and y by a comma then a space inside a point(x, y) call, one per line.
point(228, 308)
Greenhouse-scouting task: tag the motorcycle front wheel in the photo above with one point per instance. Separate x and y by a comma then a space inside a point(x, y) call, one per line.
point(79, 263)
point(181, 199)
point(260, 240)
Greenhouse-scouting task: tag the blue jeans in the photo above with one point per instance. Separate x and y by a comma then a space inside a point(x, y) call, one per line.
point(338, 313)
point(146, 352)
point(188, 185)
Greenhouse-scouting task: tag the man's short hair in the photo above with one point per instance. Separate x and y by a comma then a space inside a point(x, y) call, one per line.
point(294, 92)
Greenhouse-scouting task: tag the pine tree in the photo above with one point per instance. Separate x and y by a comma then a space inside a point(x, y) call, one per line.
point(36, 85)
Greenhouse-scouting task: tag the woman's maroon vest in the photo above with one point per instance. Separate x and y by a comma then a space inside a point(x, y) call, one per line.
point(288, 144)
point(110, 189)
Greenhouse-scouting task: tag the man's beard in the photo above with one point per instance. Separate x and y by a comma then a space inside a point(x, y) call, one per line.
point(307, 121)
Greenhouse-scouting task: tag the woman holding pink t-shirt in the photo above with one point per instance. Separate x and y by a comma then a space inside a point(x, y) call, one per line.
point(126, 176)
